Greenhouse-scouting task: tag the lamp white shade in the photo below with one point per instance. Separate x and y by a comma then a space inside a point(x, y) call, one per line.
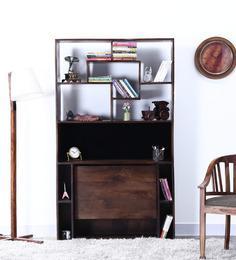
point(24, 85)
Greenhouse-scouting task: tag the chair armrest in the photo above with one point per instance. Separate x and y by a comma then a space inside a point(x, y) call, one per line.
point(206, 181)
point(209, 172)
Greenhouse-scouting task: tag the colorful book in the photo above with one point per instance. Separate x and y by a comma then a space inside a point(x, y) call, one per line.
point(165, 189)
point(124, 43)
point(124, 55)
point(166, 226)
point(131, 88)
point(124, 59)
point(98, 59)
point(100, 79)
point(119, 89)
point(121, 81)
point(118, 49)
point(124, 89)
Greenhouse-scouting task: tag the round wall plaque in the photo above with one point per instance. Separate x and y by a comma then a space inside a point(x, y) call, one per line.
point(215, 57)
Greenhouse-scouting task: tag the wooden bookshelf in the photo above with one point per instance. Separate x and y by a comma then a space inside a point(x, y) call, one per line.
point(114, 191)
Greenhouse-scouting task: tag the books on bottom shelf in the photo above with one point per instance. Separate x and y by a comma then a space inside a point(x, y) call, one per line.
point(124, 88)
point(166, 226)
point(165, 189)
point(162, 71)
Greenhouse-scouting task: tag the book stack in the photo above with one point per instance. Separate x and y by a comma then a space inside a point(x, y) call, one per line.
point(100, 79)
point(124, 50)
point(99, 56)
point(166, 226)
point(124, 88)
point(165, 189)
point(162, 71)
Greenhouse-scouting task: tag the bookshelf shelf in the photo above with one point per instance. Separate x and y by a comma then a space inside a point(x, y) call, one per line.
point(166, 201)
point(156, 83)
point(116, 61)
point(114, 98)
point(115, 190)
point(64, 201)
point(84, 83)
point(113, 162)
point(117, 122)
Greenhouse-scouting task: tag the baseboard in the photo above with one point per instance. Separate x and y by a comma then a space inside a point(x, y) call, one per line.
point(211, 229)
point(40, 231)
point(181, 229)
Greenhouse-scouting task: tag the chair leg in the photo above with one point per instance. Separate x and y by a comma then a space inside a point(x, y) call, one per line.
point(202, 234)
point(227, 231)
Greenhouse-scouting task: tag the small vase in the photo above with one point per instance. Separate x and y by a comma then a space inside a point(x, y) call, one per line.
point(126, 116)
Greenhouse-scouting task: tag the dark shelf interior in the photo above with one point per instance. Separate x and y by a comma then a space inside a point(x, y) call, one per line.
point(114, 228)
point(114, 141)
point(64, 223)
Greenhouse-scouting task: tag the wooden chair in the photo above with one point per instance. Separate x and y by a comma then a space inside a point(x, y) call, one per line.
point(218, 196)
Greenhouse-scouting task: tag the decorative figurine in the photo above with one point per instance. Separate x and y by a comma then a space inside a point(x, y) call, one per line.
point(65, 194)
point(148, 114)
point(71, 76)
point(126, 108)
point(147, 74)
point(161, 110)
point(69, 115)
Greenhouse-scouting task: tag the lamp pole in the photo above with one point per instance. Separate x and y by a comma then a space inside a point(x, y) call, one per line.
point(13, 170)
point(13, 235)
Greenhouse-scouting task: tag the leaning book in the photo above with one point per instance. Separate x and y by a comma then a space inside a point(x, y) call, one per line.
point(163, 70)
point(166, 226)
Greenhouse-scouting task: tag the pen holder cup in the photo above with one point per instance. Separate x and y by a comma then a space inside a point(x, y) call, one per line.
point(158, 154)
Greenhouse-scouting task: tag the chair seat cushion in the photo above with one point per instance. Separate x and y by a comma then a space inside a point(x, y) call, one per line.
point(222, 201)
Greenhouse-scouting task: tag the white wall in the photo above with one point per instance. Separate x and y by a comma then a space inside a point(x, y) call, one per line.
point(205, 123)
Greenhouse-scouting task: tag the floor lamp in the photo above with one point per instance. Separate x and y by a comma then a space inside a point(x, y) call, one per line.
point(22, 85)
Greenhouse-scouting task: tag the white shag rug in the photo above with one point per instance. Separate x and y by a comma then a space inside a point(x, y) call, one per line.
point(115, 249)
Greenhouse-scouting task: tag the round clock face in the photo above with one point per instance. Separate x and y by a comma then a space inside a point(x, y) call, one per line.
point(74, 152)
point(215, 57)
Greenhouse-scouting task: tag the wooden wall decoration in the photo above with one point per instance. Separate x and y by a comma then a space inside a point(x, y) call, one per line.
point(215, 57)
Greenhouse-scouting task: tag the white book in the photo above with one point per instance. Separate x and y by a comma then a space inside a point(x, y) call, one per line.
point(156, 79)
point(162, 71)
point(166, 226)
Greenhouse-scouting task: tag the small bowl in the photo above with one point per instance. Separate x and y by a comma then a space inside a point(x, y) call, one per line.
point(148, 115)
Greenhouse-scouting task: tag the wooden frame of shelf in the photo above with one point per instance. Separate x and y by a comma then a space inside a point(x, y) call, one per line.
point(136, 138)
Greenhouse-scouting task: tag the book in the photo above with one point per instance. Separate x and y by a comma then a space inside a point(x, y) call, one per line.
point(98, 56)
point(162, 71)
point(166, 226)
point(119, 89)
point(165, 189)
point(98, 59)
point(101, 79)
point(124, 55)
point(121, 81)
point(124, 49)
point(124, 59)
point(124, 89)
point(124, 43)
point(130, 87)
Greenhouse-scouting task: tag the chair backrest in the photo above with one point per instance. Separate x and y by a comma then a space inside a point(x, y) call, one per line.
point(223, 176)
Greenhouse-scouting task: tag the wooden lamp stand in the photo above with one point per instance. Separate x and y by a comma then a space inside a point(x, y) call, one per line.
point(13, 235)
